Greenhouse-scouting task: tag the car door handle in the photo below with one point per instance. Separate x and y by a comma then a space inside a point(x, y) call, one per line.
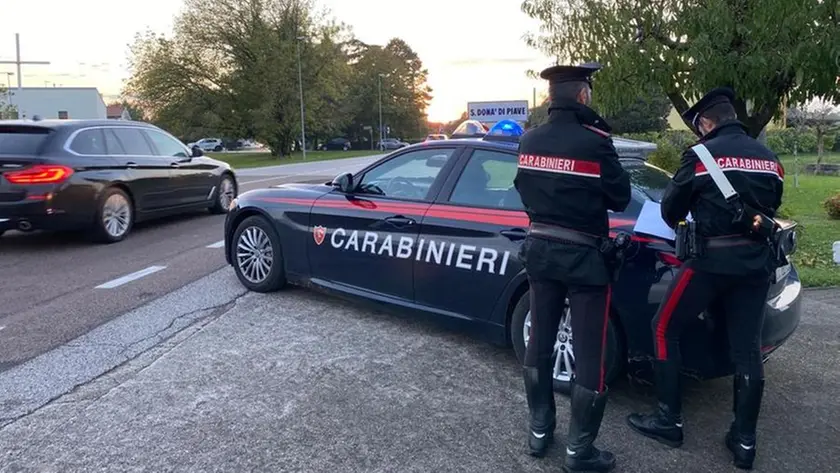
point(515, 234)
point(174, 165)
point(400, 220)
point(131, 165)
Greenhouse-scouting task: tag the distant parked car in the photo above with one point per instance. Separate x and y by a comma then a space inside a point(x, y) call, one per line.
point(437, 137)
point(209, 144)
point(392, 143)
point(102, 175)
point(337, 144)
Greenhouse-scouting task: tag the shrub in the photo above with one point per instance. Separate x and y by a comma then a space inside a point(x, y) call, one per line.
point(784, 141)
point(832, 207)
point(667, 156)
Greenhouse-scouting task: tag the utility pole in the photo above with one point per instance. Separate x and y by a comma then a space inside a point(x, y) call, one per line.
point(9, 86)
point(19, 63)
point(381, 130)
point(302, 114)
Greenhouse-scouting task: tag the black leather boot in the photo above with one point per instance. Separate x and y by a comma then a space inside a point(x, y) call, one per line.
point(585, 422)
point(665, 424)
point(539, 389)
point(740, 440)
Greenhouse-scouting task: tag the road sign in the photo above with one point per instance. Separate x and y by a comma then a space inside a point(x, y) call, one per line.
point(516, 110)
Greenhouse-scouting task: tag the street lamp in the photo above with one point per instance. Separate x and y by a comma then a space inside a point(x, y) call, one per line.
point(302, 116)
point(380, 110)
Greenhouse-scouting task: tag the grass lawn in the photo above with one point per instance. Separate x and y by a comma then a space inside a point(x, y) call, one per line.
point(816, 231)
point(253, 160)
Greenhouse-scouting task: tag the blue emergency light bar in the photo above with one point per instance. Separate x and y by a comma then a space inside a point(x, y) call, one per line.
point(505, 130)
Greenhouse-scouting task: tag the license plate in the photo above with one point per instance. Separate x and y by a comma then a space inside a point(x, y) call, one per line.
point(782, 272)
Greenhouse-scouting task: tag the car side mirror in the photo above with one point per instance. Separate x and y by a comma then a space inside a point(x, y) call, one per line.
point(196, 152)
point(344, 183)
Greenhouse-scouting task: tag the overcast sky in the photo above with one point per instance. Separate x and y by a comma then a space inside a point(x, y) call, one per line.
point(472, 48)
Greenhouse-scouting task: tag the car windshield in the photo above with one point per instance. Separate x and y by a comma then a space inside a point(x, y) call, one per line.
point(22, 140)
point(651, 180)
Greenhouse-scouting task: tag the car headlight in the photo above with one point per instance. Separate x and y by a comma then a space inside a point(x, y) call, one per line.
point(233, 204)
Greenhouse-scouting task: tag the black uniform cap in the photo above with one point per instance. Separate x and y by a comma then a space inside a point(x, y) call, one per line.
point(581, 73)
point(713, 97)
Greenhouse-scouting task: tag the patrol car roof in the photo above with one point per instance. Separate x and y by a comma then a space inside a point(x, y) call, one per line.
point(625, 147)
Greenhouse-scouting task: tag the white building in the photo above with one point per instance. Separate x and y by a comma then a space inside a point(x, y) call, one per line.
point(58, 102)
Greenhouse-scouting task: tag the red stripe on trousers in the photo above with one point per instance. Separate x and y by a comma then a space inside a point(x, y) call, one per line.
point(667, 311)
point(604, 339)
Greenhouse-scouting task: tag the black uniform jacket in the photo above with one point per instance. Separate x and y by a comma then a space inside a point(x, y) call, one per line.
point(754, 172)
point(568, 176)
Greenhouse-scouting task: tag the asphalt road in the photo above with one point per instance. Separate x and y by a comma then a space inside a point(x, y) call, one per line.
point(49, 290)
point(298, 381)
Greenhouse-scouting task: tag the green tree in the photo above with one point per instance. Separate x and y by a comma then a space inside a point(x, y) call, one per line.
point(648, 112)
point(231, 68)
point(404, 90)
point(767, 50)
point(7, 110)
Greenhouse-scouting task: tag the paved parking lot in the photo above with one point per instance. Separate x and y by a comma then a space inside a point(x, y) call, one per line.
point(298, 381)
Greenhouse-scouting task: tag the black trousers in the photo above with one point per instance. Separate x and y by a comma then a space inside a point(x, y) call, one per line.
point(589, 308)
point(693, 291)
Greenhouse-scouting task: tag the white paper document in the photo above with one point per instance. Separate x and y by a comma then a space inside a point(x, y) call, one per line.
point(650, 222)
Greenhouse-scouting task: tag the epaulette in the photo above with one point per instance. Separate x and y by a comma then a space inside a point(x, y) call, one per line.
point(597, 130)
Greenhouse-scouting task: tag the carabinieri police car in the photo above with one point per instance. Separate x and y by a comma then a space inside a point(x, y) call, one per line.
point(435, 227)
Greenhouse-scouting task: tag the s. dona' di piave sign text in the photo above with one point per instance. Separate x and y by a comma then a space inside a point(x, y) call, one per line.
point(516, 110)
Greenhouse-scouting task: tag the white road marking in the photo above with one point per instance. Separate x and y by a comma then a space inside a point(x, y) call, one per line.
point(218, 244)
point(130, 277)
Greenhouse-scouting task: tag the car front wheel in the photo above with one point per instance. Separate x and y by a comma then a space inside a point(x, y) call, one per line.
point(257, 255)
point(563, 358)
point(225, 195)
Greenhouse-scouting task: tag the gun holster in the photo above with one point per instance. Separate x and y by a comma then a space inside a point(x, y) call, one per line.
point(613, 250)
point(752, 220)
point(689, 244)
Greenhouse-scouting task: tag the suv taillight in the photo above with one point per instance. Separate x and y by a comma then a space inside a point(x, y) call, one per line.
point(40, 174)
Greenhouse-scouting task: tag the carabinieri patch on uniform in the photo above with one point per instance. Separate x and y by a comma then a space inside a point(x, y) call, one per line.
point(559, 165)
point(737, 163)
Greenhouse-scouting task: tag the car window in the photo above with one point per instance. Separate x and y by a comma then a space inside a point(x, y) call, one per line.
point(408, 176)
point(90, 142)
point(487, 181)
point(22, 140)
point(165, 145)
point(112, 144)
point(648, 179)
point(133, 142)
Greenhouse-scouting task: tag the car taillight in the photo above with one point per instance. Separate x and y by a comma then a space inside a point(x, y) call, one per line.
point(40, 174)
point(669, 259)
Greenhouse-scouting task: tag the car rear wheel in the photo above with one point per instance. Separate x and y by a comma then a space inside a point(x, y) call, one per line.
point(225, 195)
point(218, 148)
point(563, 359)
point(114, 216)
point(257, 255)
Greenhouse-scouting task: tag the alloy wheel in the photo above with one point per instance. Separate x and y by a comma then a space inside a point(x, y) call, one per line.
point(254, 254)
point(564, 353)
point(116, 215)
point(227, 193)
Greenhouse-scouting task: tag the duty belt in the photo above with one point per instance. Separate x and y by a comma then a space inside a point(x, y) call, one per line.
point(729, 241)
point(564, 235)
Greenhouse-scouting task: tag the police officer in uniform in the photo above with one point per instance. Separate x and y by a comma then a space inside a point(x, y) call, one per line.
point(568, 177)
point(735, 270)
